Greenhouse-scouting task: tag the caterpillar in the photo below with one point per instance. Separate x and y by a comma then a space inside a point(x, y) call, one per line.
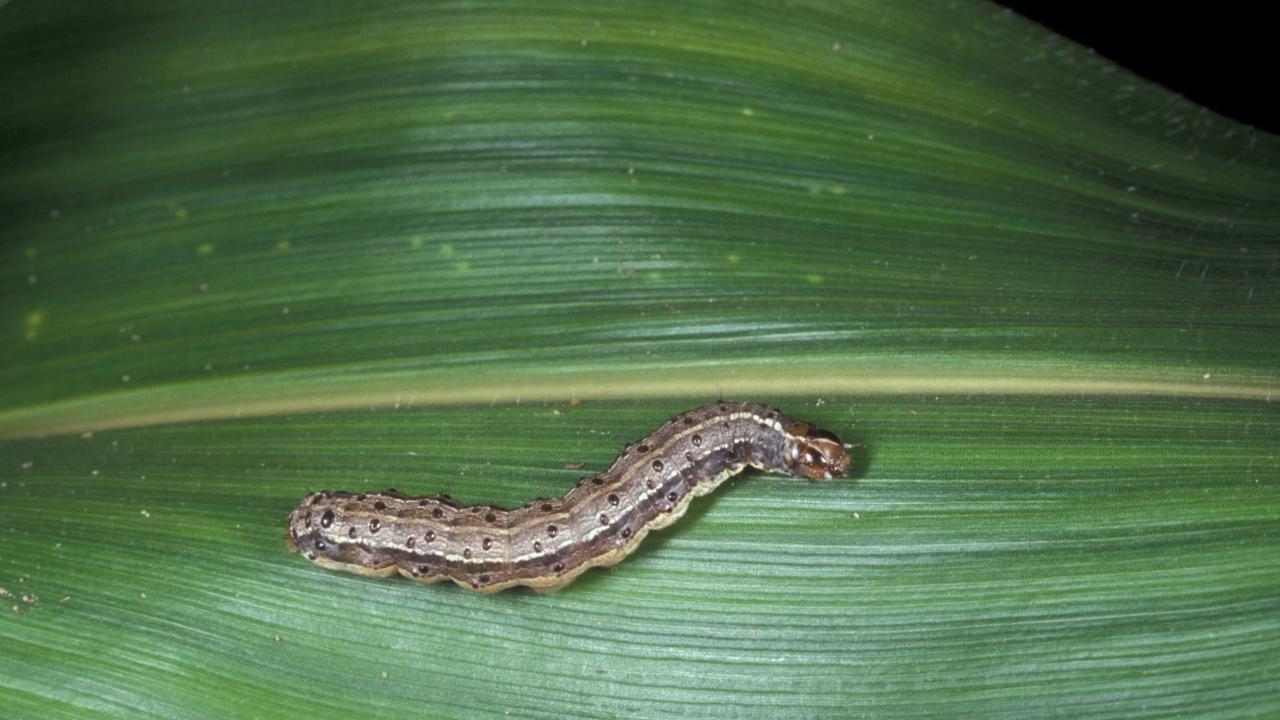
point(547, 544)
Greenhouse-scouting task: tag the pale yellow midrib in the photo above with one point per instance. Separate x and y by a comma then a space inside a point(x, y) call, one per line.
point(172, 404)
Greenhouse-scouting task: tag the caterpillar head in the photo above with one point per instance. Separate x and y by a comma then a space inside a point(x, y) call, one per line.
point(814, 453)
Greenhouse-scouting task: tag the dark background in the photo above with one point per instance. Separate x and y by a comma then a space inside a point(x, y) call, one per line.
point(1212, 53)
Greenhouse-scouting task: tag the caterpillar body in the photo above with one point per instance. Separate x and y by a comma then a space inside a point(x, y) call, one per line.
point(546, 544)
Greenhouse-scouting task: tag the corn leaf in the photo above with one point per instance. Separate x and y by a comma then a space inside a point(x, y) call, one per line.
point(252, 250)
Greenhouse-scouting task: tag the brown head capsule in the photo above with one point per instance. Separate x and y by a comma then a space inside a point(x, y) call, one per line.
point(814, 453)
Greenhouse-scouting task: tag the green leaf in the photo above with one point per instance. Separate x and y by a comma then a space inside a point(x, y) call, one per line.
point(249, 251)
